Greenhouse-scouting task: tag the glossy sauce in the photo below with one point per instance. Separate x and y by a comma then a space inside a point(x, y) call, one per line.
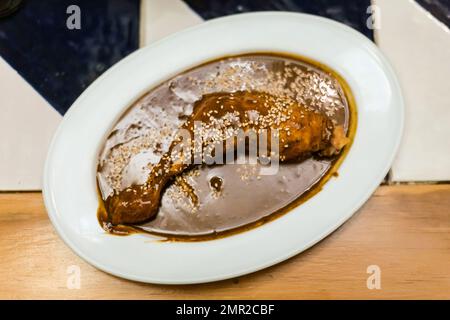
point(211, 201)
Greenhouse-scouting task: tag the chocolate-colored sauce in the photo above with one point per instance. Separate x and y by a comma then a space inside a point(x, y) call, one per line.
point(212, 201)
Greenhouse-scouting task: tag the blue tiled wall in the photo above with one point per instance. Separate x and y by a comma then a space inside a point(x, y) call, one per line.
point(60, 63)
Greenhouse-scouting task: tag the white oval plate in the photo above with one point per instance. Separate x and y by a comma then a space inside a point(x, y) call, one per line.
point(69, 180)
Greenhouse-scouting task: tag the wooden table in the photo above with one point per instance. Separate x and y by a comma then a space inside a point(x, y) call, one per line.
point(404, 229)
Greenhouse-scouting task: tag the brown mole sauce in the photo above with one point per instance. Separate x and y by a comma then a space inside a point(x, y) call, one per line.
point(208, 202)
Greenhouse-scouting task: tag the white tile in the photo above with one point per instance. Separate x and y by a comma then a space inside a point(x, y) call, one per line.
point(160, 18)
point(418, 46)
point(27, 124)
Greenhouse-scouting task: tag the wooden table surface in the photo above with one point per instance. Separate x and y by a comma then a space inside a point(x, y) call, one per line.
point(404, 229)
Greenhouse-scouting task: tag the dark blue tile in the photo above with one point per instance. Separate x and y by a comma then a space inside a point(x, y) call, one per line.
point(60, 63)
point(351, 12)
point(439, 8)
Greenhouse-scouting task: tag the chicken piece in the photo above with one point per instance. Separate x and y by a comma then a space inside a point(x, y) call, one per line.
point(302, 132)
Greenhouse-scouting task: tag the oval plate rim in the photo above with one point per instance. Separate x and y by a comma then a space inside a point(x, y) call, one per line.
point(231, 254)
